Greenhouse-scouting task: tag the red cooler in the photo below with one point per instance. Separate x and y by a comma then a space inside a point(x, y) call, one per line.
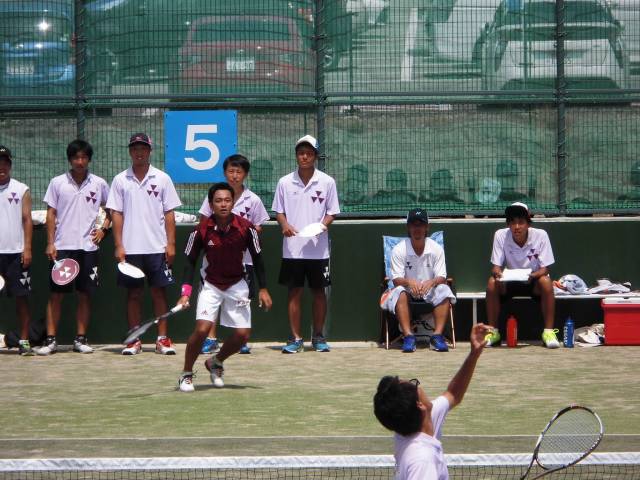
point(621, 321)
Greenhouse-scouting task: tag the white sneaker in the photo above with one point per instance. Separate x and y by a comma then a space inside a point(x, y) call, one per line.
point(185, 382)
point(80, 345)
point(48, 348)
point(2, 344)
point(133, 348)
point(164, 346)
point(216, 371)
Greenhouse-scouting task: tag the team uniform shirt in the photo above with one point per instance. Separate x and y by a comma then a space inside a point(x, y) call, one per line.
point(223, 250)
point(421, 456)
point(305, 204)
point(534, 254)
point(143, 205)
point(77, 207)
point(11, 230)
point(248, 206)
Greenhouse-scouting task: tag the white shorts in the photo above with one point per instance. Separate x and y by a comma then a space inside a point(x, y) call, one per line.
point(435, 296)
point(232, 303)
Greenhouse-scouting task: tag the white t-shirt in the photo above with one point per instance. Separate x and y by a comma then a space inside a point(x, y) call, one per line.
point(11, 229)
point(248, 206)
point(77, 207)
point(420, 456)
point(534, 254)
point(143, 205)
point(302, 205)
point(405, 262)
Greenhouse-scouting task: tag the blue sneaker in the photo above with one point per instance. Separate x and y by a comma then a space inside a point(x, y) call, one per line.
point(210, 345)
point(293, 346)
point(438, 343)
point(320, 344)
point(245, 349)
point(409, 344)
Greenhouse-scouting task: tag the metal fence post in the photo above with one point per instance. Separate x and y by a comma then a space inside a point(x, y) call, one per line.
point(320, 39)
point(80, 55)
point(561, 103)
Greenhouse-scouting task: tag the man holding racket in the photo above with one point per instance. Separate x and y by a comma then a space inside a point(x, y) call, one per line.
point(523, 247)
point(304, 197)
point(403, 407)
point(142, 200)
point(73, 203)
point(222, 238)
point(15, 244)
point(249, 206)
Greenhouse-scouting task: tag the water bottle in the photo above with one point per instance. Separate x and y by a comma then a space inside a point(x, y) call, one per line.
point(567, 333)
point(512, 332)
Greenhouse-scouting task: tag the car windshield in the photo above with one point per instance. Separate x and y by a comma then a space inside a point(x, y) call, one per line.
point(242, 30)
point(545, 12)
point(16, 27)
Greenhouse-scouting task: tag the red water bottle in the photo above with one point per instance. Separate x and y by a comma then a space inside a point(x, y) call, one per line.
point(512, 331)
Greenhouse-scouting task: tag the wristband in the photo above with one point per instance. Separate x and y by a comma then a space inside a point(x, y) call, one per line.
point(186, 290)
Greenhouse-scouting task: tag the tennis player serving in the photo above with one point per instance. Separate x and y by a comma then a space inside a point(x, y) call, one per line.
point(223, 237)
point(404, 407)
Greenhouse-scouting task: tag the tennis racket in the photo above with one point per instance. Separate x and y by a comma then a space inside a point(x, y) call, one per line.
point(64, 271)
point(136, 332)
point(130, 270)
point(572, 434)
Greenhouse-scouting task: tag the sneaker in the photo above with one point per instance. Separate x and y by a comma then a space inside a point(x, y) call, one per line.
point(50, 346)
point(320, 344)
point(245, 349)
point(216, 370)
point(80, 345)
point(409, 344)
point(185, 382)
point(438, 343)
point(210, 345)
point(493, 338)
point(549, 338)
point(293, 346)
point(24, 348)
point(2, 344)
point(133, 348)
point(164, 346)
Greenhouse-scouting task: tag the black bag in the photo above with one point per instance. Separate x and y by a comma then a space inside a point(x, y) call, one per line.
point(37, 334)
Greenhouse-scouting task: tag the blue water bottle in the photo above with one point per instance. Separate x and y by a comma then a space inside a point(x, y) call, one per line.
point(567, 333)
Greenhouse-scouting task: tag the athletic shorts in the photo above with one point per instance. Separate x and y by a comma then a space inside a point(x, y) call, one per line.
point(17, 279)
point(233, 304)
point(434, 297)
point(156, 270)
point(519, 289)
point(87, 280)
point(294, 271)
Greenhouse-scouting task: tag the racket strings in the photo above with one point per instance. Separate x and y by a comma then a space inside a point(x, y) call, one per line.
point(570, 437)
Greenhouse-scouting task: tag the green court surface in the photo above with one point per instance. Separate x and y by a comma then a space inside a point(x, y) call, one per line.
point(107, 405)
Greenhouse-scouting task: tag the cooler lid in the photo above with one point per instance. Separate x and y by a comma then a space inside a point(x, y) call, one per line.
point(621, 301)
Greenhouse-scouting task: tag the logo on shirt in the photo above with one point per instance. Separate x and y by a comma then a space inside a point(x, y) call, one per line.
point(153, 191)
point(211, 244)
point(14, 198)
point(91, 198)
point(245, 214)
point(317, 197)
point(532, 254)
point(408, 265)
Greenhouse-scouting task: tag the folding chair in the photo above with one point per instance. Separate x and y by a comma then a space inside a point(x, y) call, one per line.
point(418, 308)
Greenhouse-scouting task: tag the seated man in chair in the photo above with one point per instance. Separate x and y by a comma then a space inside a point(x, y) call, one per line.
point(418, 270)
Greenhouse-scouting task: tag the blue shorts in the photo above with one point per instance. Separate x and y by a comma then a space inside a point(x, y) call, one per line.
point(87, 280)
point(156, 270)
point(17, 279)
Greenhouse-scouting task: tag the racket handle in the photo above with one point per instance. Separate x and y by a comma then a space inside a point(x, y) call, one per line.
point(177, 308)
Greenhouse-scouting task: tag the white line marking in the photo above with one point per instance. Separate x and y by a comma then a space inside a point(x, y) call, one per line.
point(406, 70)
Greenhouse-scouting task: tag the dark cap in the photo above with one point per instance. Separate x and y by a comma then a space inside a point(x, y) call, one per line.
point(140, 138)
point(417, 215)
point(5, 153)
point(517, 210)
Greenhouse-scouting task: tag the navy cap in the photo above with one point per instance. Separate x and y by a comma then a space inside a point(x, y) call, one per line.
point(140, 138)
point(5, 153)
point(418, 215)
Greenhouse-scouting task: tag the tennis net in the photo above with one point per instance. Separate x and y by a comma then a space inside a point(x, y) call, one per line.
point(620, 466)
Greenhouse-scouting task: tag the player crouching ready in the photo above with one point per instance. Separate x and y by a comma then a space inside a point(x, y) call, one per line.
point(223, 237)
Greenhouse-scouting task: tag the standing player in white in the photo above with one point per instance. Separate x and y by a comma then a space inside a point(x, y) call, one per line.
point(15, 244)
point(248, 206)
point(305, 196)
point(521, 246)
point(73, 202)
point(142, 200)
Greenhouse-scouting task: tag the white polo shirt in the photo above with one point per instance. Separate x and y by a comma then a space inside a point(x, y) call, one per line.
point(304, 204)
point(534, 254)
point(248, 206)
point(11, 229)
point(77, 207)
point(143, 205)
point(421, 456)
point(406, 263)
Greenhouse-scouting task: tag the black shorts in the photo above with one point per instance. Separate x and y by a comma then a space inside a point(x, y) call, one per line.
point(17, 279)
point(293, 272)
point(156, 270)
point(519, 289)
point(87, 280)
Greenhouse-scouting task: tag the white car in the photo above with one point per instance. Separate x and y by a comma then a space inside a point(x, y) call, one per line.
point(519, 49)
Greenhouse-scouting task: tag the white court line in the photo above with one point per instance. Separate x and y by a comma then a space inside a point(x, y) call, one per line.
point(406, 70)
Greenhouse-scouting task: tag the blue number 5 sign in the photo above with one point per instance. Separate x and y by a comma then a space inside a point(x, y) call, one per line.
point(197, 142)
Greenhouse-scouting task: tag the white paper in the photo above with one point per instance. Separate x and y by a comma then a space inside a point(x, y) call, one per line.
point(311, 230)
point(515, 275)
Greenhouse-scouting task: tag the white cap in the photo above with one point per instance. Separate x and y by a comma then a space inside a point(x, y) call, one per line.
point(309, 140)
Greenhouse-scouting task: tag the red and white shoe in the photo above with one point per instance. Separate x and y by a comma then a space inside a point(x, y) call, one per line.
point(164, 346)
point(133, 348)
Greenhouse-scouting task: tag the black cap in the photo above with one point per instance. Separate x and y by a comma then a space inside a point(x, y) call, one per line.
point(5, 153)
point(140, 138)
point(517, 210)
point(417, 215)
